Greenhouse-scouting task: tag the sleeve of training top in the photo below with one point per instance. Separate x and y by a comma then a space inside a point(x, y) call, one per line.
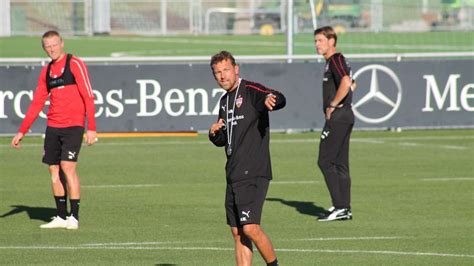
point(79, 70)
point(219, 139)
point(39, 98)
point(261, 92)
point(339, 68)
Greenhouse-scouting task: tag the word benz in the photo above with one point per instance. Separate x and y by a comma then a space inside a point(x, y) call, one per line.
point(149, 101)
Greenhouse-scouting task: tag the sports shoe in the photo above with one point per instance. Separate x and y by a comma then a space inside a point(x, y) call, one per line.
point(337, 214)
point(57, 222)
point(72, 223)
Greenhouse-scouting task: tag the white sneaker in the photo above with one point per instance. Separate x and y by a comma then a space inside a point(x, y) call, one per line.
point(57, 222)
point(337, 214)
point(72, 223)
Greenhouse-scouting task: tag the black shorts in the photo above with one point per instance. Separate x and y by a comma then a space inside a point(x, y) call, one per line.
point(62, 144)
point(244, 201)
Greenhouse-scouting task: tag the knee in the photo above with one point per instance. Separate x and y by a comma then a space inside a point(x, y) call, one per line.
point(252, 231)
point(54, 169)
point(239, 236)
point(69, 168)
point(323, 163)
point(235, 232)
point(54, 172)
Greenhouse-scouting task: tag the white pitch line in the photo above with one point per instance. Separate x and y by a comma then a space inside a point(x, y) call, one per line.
point(188, 41)
point(122, 186)
point(272, 43)
point(138, 143)
point(420, 138)
point(450, 147)
point(303, 140)
point(409, 47)
point(114, 247)
point(220, 241)
point(352, 238)
point(154, 52)
point(449, 179)
point(386, 252)
point(374, 141)
point(409, 144)
point(132, 243)
point(268, 45)
point(389, 252)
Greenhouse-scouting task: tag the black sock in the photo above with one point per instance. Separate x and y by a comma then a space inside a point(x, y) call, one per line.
point(75, 207)
point(61, 206)
point(273, 263)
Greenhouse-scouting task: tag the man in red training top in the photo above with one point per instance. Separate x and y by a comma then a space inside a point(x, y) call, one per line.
point(66, 81)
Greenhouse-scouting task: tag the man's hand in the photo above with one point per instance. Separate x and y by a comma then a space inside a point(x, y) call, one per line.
point(329, 111)
point(16, 140)
point(91, 137)
point(270, 102)
point(353, 85)
point(216, 126)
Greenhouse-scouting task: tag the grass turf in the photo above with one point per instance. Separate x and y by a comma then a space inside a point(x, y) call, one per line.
point(384, 42)
point(160, 201)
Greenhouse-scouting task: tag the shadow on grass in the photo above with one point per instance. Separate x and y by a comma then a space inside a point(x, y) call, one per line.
point(303, 207)
point(35, 213)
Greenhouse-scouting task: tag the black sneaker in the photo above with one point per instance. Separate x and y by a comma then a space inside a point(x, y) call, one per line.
point(337, 214)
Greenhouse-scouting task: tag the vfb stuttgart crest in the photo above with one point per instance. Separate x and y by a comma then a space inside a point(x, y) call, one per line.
point(239, 101)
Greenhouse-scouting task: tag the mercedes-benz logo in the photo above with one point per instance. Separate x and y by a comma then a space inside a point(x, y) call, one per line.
point(378, 93)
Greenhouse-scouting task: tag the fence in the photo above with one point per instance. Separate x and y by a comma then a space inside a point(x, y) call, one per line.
point(162, 17)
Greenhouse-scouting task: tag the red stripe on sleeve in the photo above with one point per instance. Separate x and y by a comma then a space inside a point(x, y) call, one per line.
point(81, 74)
point(337, 68)
point(256, 88)
point(340, 62)
point(85, 77)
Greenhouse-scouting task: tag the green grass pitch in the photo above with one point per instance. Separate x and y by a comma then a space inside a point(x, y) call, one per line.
point(361, 42)
point(159, 201)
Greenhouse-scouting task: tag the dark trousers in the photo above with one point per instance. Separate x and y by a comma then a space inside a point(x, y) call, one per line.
point(334, 161)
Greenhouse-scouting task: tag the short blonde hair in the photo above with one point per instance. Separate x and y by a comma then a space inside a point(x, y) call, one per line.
point(50, 34)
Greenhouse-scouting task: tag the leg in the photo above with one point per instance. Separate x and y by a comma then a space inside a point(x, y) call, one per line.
point(69, 169)
point(250, 215)
point(332, 140)
point(255, 233)
point(73, 185)
point(71, 139)
point(52, 155)
point(343, 169)
point(243, 247)
point(58, 183)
